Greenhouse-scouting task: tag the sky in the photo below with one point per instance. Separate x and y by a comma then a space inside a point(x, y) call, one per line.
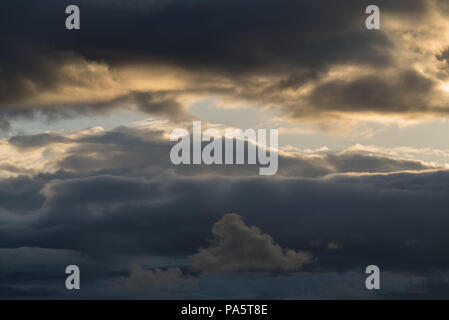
point(85, 171)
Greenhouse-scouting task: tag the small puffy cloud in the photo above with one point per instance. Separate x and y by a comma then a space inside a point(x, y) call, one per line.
point(238, 247)
point(140, 278)
point(334, 246)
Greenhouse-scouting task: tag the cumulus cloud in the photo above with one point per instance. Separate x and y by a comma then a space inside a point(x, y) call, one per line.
point(238, 247)
point(140, 278)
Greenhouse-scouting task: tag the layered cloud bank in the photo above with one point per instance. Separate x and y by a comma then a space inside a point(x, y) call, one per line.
point(135, 151)
point(85, 198)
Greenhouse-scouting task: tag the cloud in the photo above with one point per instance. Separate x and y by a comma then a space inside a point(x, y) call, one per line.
point(237, 247)
point(309, 60)
point(140, 278)
point(128, 215)
point(146, 151)
point(37, 140)
point(23, 258)
point(160, 103)
point(118, 218)
point(373, 94)
point(106, 198)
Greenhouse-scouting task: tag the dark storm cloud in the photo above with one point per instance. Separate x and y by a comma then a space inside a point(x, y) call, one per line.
point(295, 41)
point(19, 267)
point(231, 36)
point(124, 207)
point(397, 221)
point(20, 195)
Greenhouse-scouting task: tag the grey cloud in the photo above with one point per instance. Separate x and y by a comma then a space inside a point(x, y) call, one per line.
point(359, 162)
point(374, 93)
point(4, 124)
point(21, 194)
point(46, 114)
point(27, 71)
point(18, 259)
point(396, 220)
point(140, 279)
point(37, 140)
point(237, 247)
point(160, 103)
point(43, 267)
point(383, 212)
point(140, 151)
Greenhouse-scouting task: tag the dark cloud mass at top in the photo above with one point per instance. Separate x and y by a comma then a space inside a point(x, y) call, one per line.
point(291, 43)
